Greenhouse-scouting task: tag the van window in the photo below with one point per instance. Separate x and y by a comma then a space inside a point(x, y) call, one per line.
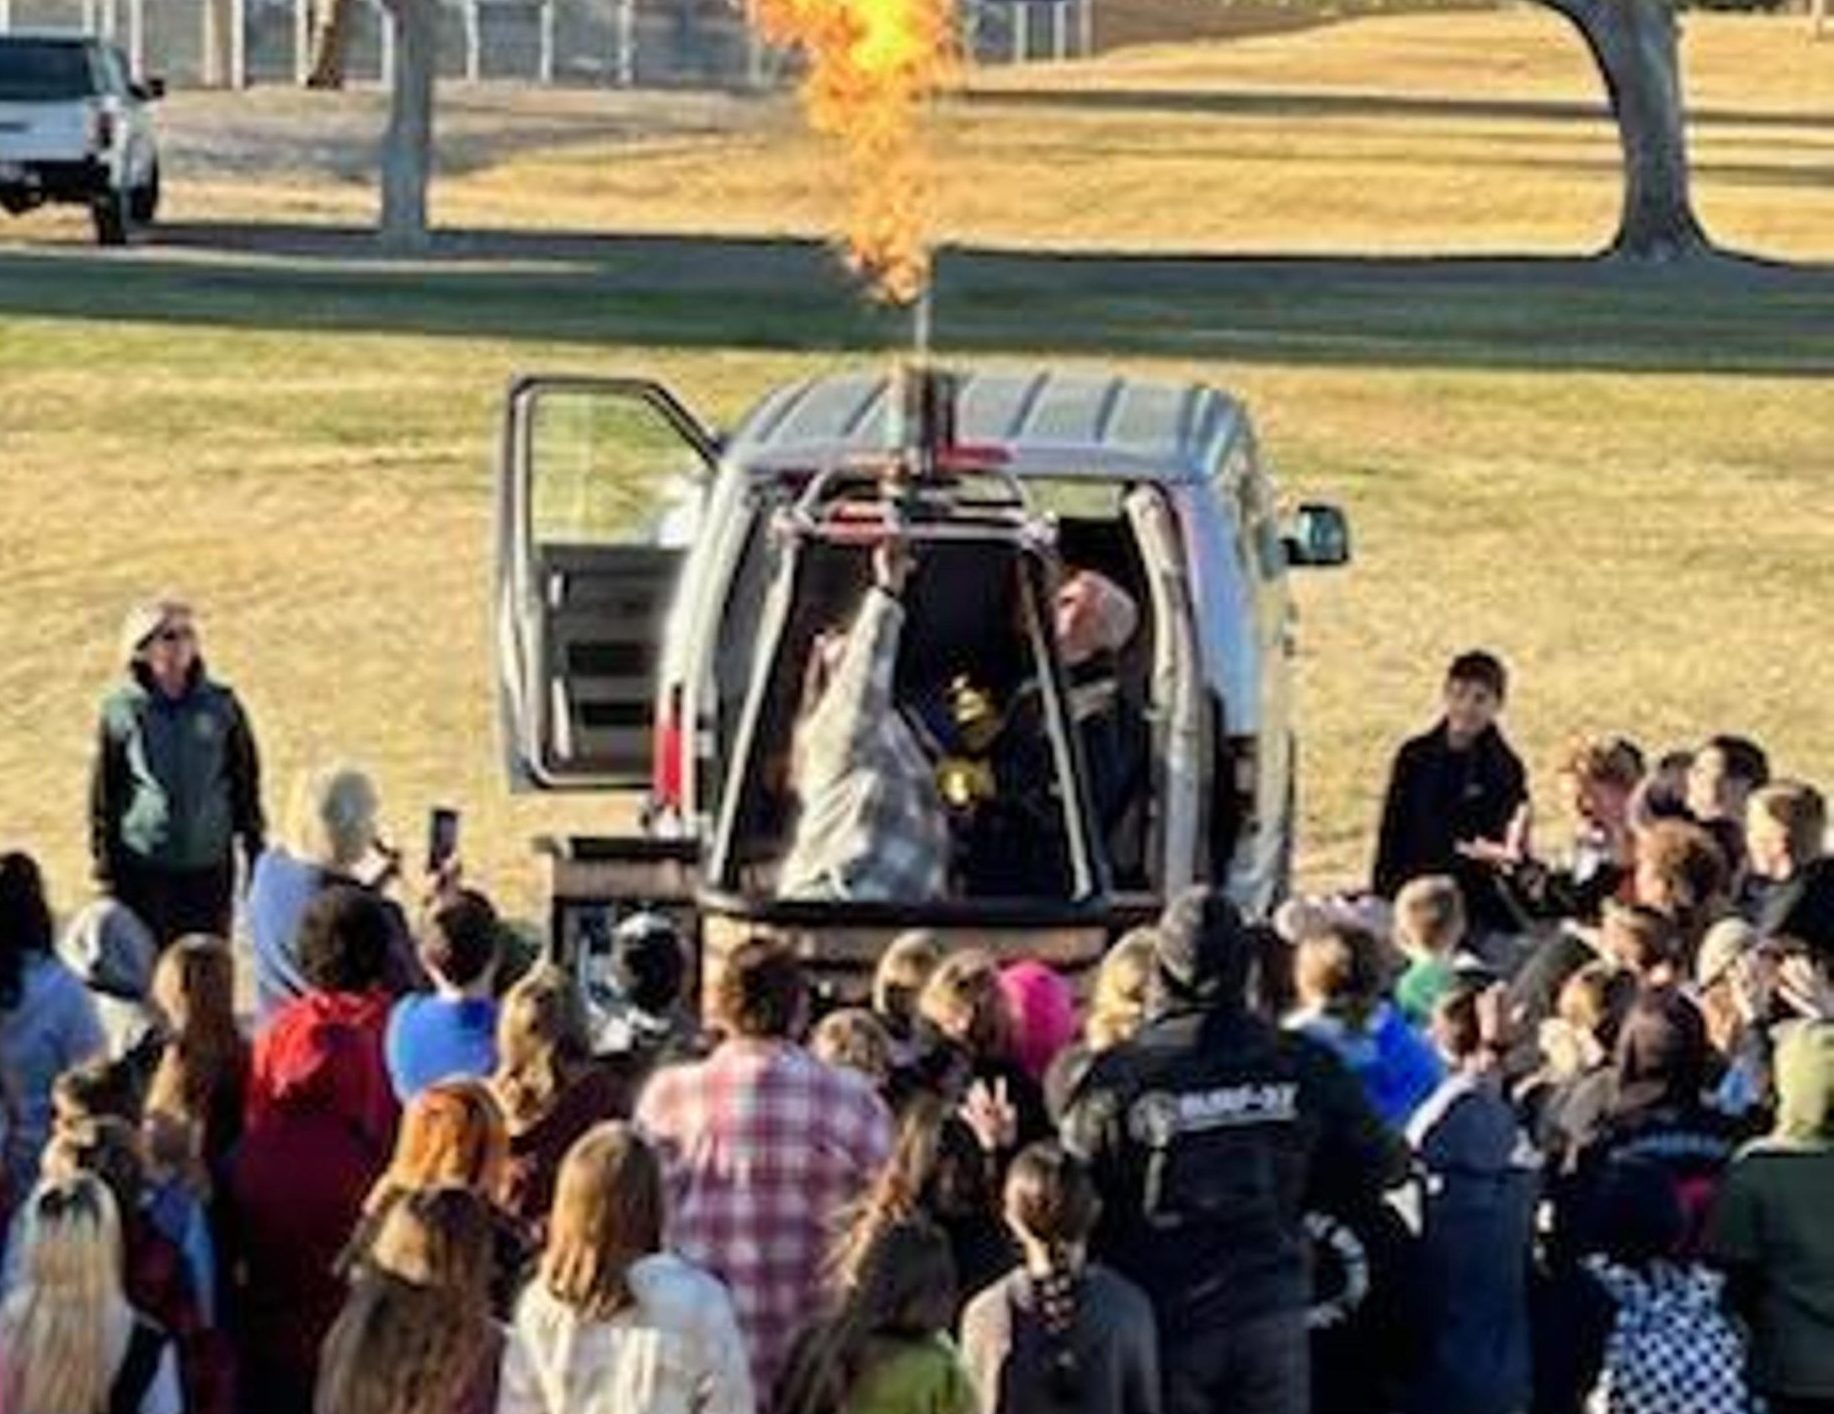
point(44, 71)
point(1262, 546)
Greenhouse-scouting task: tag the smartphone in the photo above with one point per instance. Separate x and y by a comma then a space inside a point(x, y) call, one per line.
point(442, 837)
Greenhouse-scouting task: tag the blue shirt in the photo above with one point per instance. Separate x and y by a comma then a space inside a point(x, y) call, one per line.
point(433, 1038)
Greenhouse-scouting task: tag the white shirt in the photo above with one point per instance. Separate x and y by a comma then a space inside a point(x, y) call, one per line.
point(676, 1351)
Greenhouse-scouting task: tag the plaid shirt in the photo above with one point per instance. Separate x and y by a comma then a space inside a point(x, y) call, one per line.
point(872, 825)
point(764, 1148)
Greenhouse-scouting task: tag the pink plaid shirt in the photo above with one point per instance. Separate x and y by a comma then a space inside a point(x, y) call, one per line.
point(764, 1148)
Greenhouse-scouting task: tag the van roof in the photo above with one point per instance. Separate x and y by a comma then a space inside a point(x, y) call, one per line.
point(1044, 422)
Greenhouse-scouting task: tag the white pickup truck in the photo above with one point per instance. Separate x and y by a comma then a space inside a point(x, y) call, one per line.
point(75, 127)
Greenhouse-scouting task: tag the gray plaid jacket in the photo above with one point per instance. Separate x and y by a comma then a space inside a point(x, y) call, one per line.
point(872, 825)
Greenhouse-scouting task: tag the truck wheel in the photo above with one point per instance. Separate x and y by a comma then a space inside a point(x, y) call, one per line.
point(143, 201)
point(109, 213)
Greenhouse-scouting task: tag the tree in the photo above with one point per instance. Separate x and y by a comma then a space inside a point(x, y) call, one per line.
point(407, 146)
point(1634, 44)
point(331, 24)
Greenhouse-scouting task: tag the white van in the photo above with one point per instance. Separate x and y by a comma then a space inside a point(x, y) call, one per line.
point(659, 587)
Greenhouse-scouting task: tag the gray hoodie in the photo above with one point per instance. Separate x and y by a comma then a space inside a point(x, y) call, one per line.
point(112, 953)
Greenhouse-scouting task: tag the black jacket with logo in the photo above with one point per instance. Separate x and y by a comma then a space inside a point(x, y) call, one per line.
point(1211, 1134)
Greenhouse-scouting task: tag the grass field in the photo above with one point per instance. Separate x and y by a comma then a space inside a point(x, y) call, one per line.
point(1617, 478)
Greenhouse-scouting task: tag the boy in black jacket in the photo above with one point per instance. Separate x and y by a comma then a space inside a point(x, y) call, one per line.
point(1457, 783)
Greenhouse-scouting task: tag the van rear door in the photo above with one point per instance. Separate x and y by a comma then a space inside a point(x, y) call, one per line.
point(600, 485)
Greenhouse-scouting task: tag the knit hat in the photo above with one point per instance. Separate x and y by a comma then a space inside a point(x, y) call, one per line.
point(1202, 949)
point(145, 619)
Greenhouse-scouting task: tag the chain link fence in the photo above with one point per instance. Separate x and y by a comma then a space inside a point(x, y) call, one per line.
point(613, 43)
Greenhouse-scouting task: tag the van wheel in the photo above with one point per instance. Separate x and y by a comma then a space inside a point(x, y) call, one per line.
point(109, 213)
point(143, 201)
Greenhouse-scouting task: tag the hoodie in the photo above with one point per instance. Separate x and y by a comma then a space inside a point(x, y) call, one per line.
point(112, 953)
point(320, 1127)
point(1395, 1066)
point(1482, 1179)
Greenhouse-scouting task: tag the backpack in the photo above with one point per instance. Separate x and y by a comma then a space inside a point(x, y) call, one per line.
point(1671, 1349)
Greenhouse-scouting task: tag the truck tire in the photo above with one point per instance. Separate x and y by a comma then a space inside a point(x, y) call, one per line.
point(143, 201)
point(109, 213)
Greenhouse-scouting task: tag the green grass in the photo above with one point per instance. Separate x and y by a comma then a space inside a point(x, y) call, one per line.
point(1617, 478)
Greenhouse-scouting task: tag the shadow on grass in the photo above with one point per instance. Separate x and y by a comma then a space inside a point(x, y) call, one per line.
point(1311, 104)
point(1720, 316)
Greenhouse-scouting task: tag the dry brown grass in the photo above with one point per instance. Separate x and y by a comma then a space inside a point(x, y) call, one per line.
point(1650, 550)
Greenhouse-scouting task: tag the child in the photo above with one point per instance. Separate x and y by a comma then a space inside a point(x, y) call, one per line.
point(1671, 1346)
point(1477, 1226)
point(883, 1349)
point(1770, 1229)
point(1059, 1333)
point(1457, 783)
point(1430, 931)
point(1338, 973)
point(452, 1031)
point(854, 1038)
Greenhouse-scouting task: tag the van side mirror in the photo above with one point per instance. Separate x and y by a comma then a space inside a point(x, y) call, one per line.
point(1317, 537)
point(149, 90)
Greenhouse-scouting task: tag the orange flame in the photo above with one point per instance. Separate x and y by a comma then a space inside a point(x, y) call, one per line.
point(872, 64)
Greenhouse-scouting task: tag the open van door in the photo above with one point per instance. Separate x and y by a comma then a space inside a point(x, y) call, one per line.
point(600, 484)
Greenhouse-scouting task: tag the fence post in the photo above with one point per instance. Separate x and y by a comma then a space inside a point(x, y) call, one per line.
point(1085, 24)
point(136, 37)
point(302, 40)
point(386, 18)
point(238, 44)
point(1060, 30)
point(6, 16)
point(627, 43)
point(546, 63)
point(1022, 31)
point(474, 59)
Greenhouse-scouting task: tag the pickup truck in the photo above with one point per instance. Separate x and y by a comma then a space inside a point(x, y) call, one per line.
point(75, 127)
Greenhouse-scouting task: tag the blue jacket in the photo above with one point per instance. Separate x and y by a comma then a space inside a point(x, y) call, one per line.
point(1395, 1066)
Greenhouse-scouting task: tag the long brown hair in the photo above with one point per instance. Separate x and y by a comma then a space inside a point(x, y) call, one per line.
point(905, 1288)
point(608, 1210)
point(415, 1332)
point(452, 1134)
point(542, 1040)
point(205, 1063)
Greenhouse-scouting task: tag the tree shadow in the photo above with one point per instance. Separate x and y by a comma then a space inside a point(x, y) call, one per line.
point(1305, 103)
point(1467, 312)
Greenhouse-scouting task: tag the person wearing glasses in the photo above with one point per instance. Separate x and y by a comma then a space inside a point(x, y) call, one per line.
point(177, 781)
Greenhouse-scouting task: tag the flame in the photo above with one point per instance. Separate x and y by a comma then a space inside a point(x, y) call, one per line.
point(873, 64)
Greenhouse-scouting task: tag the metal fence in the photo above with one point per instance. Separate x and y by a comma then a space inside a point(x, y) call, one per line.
point(612, 43)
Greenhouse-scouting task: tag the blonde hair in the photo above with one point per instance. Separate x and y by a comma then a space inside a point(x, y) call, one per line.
point(1429, 915)
point(1118, 1005)
point(53, 1324)
point(963, 1000)
point(608, 1211)
point(542, 1033)
point(903, 970)
point(853, 1037)
point(332, 818)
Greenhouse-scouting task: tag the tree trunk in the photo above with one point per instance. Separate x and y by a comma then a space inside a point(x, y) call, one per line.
point(1634, 45)
point(332, 21)
point(407, 146)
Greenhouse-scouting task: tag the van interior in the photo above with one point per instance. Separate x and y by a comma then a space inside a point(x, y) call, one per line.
point(980, 612)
